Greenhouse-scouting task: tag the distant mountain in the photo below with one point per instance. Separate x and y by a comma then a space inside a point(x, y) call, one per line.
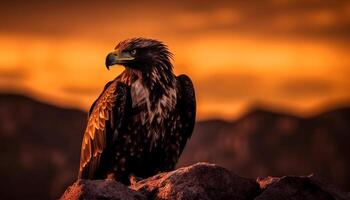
point(40, 146)
point(264, 143)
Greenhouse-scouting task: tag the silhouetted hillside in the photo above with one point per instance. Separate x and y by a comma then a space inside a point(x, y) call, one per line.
point(40, 146)
point(264, 143)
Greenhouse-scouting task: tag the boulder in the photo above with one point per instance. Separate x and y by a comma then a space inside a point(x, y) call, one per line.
point(199, 181)
point(207, 181)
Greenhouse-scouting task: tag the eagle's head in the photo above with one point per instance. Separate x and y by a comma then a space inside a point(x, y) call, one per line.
point(141, 54)
point(149, 72)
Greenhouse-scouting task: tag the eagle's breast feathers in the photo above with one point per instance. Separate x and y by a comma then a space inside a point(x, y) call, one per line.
point(153, 114)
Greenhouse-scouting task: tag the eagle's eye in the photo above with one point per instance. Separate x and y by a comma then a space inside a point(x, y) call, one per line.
point(133, 52)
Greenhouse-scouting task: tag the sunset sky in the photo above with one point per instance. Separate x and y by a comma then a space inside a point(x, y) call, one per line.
point(285, 55)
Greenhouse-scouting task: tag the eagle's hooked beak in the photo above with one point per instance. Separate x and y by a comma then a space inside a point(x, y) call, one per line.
point(115, 58)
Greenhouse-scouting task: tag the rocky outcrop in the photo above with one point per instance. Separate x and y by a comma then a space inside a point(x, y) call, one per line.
point(207, 181)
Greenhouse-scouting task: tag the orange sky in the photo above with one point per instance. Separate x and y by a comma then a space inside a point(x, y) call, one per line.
point(285, 55)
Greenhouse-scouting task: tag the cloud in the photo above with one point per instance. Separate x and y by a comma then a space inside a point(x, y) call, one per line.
point(81, 90)
point(227, 87)
point(302, 88)
point(17, 74)
point(310, 18)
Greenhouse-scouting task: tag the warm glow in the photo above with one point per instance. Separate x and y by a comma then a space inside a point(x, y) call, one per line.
point(233, 69)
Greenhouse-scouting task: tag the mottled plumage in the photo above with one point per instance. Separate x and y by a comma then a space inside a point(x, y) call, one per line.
point(140, 123)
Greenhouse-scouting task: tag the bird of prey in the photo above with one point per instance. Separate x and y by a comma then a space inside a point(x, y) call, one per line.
point(141, 121)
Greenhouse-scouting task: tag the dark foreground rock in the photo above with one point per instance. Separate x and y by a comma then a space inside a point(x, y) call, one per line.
point(100, 189)
point(294, 188)
point(207, 181)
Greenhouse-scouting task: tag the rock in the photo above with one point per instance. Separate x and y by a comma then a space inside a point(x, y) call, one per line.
point(100, 189)
point(294, 188)
point(330, 188)
point(199, 181)
point(207, 181)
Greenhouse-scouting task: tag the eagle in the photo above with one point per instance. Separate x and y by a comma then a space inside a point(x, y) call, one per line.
point(141, 121)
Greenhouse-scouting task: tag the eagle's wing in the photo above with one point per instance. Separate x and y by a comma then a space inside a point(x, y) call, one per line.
point(93, 105)
point(187, 108)
point(106, 114)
